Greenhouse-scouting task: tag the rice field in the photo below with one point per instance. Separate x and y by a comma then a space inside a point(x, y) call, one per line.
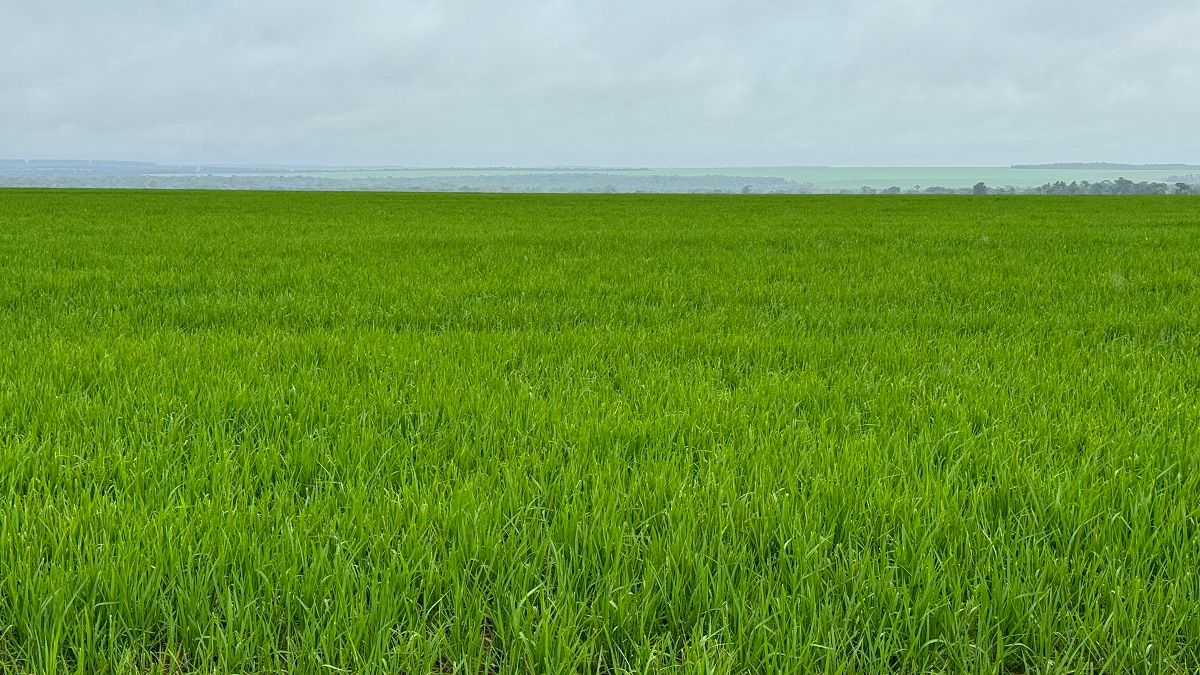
point(402, 433)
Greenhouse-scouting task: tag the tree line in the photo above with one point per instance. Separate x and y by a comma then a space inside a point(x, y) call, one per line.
point(1120, 186)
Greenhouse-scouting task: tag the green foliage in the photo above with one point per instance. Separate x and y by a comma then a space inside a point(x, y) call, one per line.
point(323, 433)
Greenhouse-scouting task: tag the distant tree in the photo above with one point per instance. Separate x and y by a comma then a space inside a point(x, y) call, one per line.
point(1182, 188)
point(868, 190)
point(980, 188)
point(893, 190)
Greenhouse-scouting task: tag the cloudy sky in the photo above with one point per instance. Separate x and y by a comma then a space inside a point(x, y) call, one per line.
point(601, 82)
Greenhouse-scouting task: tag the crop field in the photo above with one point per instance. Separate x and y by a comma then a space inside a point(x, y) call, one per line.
point(399, 433)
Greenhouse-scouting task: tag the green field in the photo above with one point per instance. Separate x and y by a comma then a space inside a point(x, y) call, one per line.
point(403, 433)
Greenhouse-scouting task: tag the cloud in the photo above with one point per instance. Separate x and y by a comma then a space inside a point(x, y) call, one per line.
point(722, 82)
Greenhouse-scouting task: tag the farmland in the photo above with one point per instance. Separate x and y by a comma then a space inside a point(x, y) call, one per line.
point(338, 432)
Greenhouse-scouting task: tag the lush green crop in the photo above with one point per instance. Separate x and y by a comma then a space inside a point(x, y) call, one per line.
point(322, 433)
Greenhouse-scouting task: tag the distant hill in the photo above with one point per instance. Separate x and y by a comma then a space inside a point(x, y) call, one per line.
point(1109, 166)
point(76, 165)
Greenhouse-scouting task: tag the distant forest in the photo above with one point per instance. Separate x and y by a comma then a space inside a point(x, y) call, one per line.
point(1120, 186)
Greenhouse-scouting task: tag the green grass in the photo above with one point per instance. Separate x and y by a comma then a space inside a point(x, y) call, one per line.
point(382, 433)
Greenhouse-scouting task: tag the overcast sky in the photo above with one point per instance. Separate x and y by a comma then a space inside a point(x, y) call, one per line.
point(602, 82)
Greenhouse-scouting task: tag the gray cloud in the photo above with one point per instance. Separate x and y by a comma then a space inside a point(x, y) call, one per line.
point(615, 82)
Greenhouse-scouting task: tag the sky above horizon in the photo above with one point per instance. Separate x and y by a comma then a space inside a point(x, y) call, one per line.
point(601, 82)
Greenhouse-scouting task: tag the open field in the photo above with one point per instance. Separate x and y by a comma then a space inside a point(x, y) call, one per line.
point(324, 433)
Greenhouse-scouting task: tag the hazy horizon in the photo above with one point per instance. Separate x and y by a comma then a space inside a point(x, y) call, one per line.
point(1132, 166)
